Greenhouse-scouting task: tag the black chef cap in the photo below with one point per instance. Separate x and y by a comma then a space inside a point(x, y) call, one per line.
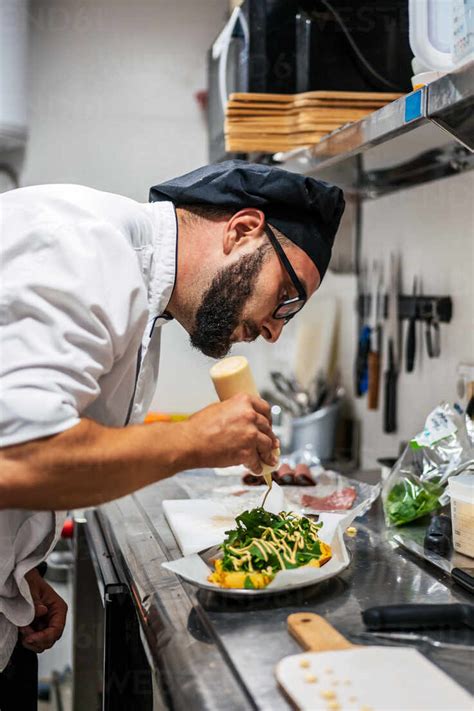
point(305, 210)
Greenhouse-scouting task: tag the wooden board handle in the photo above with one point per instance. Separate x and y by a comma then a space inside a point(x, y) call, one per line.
point(315, 634)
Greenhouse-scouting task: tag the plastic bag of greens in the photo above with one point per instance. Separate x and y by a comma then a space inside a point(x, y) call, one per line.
point(416, 484)
point(409, 499)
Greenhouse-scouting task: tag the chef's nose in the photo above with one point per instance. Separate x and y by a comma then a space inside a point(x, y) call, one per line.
point(272, 328)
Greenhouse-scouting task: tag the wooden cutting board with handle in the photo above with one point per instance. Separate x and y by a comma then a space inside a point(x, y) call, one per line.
point(335, 675)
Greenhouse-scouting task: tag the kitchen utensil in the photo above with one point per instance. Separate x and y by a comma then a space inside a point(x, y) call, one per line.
point(374, 380)
point(407, 617)
point(393, 351)
point(335, 674)
point(282, 401)
point(319, 429)
point(375, 338)
point(292, 391)
point(363, 335)
point(461, 576)
point(470, 399)
point(400, 637)
point(319, 391)
point(438, 536)
point(432, 333)
point(327, 392)
point(411, 333)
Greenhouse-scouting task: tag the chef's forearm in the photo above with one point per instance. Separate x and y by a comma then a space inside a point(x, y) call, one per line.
point(89, 464)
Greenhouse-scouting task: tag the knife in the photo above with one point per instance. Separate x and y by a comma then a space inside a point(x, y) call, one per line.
point(408, 617)
point(393, 349)
point(375, 337)
point(462, 576)
point(404, 637)
point(411, 333)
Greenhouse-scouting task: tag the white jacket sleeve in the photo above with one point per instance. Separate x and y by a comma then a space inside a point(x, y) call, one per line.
point(71, 299)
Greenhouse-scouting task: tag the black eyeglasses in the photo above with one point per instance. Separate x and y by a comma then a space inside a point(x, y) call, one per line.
point(289, 307)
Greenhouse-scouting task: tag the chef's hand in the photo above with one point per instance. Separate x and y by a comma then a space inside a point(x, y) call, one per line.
point(50, 615)
point(236, 431)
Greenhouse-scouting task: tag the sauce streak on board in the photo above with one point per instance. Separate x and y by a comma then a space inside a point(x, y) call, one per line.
point(219, 521)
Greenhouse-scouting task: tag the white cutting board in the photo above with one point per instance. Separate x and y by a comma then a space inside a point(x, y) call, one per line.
point(198, 524)
point(376, 678)
point(350, 678)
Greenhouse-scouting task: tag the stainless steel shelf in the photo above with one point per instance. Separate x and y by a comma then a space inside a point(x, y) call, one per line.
point(422, 136)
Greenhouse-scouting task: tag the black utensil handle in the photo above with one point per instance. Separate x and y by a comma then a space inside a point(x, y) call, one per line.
point(396, 617)
point(438, 536)
point(429, 340)
point(411, 345)
point(470, 408)
point(390, 404)
point(436, 340)
point(464, 578)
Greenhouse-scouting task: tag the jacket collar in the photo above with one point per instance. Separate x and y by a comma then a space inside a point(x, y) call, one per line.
point(163, 261)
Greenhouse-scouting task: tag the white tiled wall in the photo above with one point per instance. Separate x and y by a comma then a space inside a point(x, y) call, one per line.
point(111, 91)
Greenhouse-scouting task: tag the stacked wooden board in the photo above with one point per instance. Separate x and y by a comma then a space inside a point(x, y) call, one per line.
point(280, 122)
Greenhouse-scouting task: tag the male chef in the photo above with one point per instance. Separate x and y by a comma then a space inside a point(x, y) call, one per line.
point(88, 279)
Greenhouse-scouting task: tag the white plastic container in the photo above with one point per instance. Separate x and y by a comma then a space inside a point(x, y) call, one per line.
point(424, 78)
point(461, 491)
point(441, 33)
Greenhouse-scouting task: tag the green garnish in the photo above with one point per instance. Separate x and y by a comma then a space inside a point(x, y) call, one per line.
point(264, 542)
point(409, 500)
point(248, 585)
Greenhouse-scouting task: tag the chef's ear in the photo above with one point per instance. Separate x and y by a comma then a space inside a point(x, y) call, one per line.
point(244, 226)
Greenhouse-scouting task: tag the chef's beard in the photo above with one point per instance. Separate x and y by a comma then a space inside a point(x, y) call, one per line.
point(223, 303)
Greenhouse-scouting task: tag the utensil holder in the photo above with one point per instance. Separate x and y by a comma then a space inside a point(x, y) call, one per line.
point(319, 429)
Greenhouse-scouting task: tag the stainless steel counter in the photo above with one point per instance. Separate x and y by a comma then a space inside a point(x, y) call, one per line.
point(211, 652)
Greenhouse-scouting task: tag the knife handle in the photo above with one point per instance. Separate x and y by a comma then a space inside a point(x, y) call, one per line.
point(438, 536)
point(390, 411)
point(396, 617)
point(411, 345)
point(374, 377)
point(464, 577)
point(361, 361)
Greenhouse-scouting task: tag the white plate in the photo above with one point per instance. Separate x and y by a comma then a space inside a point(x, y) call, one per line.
point(195, 568)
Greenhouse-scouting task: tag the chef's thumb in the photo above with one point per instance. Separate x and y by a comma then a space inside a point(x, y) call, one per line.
point(40, 609)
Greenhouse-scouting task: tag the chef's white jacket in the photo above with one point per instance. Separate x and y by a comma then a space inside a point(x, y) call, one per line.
point(85, 278)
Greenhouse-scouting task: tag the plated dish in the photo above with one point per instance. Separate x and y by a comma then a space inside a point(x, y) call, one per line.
point(263, 544)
